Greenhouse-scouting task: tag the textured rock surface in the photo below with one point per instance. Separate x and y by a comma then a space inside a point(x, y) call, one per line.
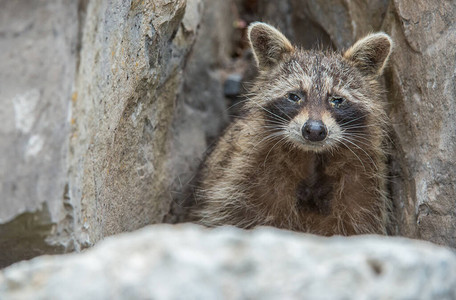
point(38, 60)
point(140, 125)
point(189, 262)
point(200, 107)
point(98, 130)
point(129, 77)
point(422, 81)
point(337, 24)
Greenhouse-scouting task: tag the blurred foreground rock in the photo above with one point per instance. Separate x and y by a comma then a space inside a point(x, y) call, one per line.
point(190, 262)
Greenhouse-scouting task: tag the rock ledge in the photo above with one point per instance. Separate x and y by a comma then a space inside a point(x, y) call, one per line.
point(190, 262)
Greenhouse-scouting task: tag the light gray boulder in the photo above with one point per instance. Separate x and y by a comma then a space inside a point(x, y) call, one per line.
point(191, 262)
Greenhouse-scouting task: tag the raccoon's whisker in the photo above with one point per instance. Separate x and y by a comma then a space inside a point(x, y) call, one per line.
point(354, 140)
point(276, 119)
point(275, 130)
point(341, 141)
point(267, 138)
point(237, 103)
point(272, 134)
point(289, 118)
point(272, 114)
point(290, 145)
point(267, 155)
point(354, 144)
point(360, 126)
point(280, 126)
point(271, 123)
point(357, 134)
point(353, 120)
point(275, 127)
point(364, 136)
point(366, 141)
point(275, 122)
point(331, 150)
point(360, 133)
point(270, 137)
point(238, 117)
point(358, 141)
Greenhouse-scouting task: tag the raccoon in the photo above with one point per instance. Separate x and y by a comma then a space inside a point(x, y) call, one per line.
point(307, 153)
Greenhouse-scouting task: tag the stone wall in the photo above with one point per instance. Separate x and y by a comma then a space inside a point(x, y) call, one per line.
point(107, 108)
point(421, 81)
point(130, 74)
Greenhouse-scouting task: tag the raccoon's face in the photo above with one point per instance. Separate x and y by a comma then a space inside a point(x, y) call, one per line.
point(317, 100)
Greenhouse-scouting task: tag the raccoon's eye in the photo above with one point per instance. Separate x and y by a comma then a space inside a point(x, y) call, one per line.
point(336, 101)
point(293, 97)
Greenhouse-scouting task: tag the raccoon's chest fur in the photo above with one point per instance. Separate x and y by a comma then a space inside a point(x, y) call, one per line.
point(292, 183)
point(248, 186)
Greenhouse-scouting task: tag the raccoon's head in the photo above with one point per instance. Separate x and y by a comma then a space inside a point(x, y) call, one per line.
point(318, 100)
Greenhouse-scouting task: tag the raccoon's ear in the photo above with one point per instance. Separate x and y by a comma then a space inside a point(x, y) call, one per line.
point(269, 45)
point(371, 53)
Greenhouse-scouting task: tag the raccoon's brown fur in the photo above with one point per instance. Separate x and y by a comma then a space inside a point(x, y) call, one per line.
point(307, 153)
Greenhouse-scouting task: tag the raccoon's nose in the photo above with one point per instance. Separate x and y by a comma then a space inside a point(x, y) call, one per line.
point(314, 131)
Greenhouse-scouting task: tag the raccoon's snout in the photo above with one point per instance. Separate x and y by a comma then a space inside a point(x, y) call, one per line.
point(314, 131)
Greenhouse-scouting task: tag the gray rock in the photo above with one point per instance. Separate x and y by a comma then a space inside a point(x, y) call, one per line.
point(200, 112)
point(421, 81)
point(334, 24)
point(129, 78)
point(98, 125)
point(190, 262)
point(38, 42)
